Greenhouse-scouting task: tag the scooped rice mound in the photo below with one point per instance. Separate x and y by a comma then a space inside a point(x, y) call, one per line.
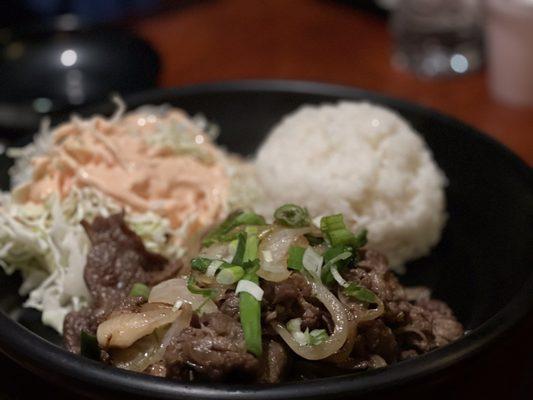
point(363, 161)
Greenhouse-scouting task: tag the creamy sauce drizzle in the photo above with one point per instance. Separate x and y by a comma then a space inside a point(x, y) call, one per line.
point(133, 161)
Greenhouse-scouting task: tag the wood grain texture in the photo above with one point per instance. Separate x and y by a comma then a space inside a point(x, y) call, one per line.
point(316, 40)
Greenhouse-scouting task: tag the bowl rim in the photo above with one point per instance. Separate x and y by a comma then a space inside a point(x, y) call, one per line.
point(44, 358)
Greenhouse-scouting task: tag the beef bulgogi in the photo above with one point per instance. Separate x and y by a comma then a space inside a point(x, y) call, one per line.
point(256, 300)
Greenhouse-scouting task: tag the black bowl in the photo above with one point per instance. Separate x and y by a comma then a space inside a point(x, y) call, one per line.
point(482, 267)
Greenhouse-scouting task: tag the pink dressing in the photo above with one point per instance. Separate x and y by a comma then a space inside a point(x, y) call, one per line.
point(124, 160)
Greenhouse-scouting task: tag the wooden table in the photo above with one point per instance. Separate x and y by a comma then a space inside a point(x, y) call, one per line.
point(320, 40)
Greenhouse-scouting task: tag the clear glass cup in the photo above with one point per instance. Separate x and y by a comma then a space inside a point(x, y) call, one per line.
point(437, 37)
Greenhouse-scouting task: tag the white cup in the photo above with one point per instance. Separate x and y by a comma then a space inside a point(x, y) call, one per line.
point(509, 38)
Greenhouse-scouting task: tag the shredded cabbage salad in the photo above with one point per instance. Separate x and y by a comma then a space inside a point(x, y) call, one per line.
point(47, 243)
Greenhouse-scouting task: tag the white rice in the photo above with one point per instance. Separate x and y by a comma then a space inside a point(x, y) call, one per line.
point(361, 160)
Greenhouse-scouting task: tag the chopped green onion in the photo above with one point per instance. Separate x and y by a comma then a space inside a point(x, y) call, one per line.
point(140, 290)
point(360, 239)
point(326, 276)
point(250, 316)
point(89, 346)
point(234, 220)
point(251, 266)
point(312, 261)
point(301, 337)
point(251, 247)
point(332, 222)
point(337, 276)
point(292, 216)
point(251, 230)
point(295, 258)
point(336, 255)
point(230, 275)
point(294, 325)
point(232, 235)
point(233, 244)
point(360, 293)
point(317, 336)
point(313, 338)
point(214, 267)
point(200, 264)
point(249, 218)
point(195, 289)
point(331, 255)
point(340, 237)
point(238, 258)
point(250, 287)
point(336, 232)
point(314, 240)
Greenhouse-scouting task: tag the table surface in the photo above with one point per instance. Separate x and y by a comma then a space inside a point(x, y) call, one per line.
point(327, 41)
point(319, 40)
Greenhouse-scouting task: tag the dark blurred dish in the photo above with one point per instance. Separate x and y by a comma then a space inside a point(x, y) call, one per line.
point(55, 68)
point(379, 6)
point(467, 275)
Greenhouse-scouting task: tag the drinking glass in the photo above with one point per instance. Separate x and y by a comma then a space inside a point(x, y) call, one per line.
point(437, 37)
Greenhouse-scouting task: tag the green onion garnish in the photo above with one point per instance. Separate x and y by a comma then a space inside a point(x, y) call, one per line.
point(360, 239)
point(251, 266)
point(140, 290)
point(336, 255)
point(234, 220)
point(336, 232)
point(360, 293)
point(250, 316)
point(332, 223)
point(294, 325)
point(295, 258)
point(340, 237)
point(292, 216)
point(195, 289)
point(313, 338)
point(238, 258)
point(89, 346)
point(333, 252)
point(252, 244)
point(317, 336)
point(230, 275)
point(200, 264)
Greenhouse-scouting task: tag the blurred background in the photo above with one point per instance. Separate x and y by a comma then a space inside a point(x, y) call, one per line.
point(472, 59)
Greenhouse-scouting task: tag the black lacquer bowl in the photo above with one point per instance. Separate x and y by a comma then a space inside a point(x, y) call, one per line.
point(482, 267)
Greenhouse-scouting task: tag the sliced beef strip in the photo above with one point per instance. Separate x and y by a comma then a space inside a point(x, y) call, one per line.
point(293, 298)
point(75, 322)
point(374, 337)
point(428, 324)
point(229, 305)
point(216, 351)
point(446, 328)
point(116, 261)
point(275, 362)
point(373, 273)
point(287, 291)
point(411, 323)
